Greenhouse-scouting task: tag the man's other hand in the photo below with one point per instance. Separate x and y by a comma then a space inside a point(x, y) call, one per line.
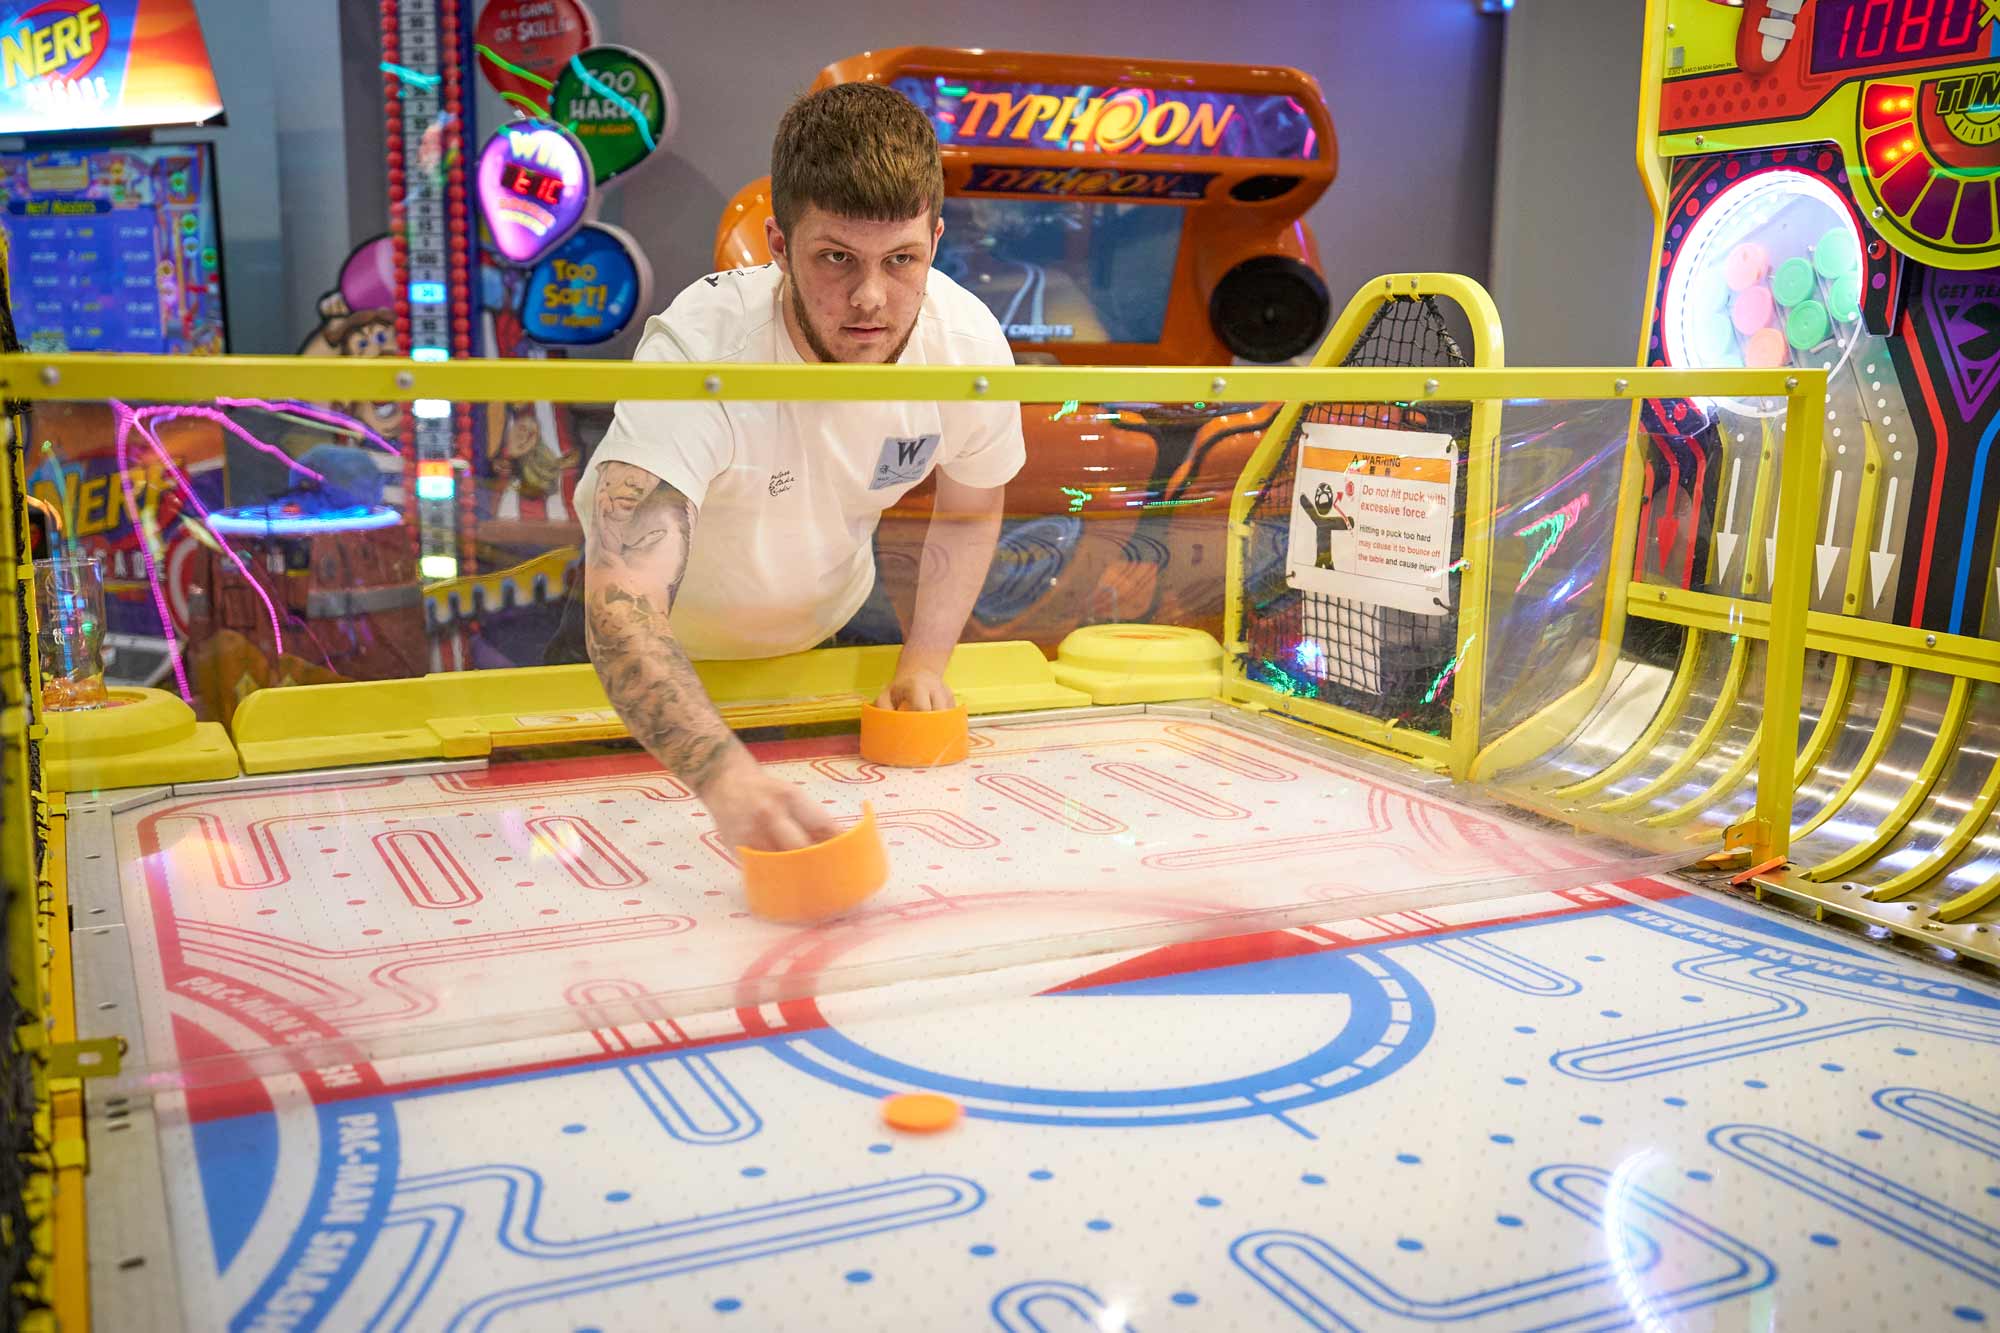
point(917, 691)
point(755, 810)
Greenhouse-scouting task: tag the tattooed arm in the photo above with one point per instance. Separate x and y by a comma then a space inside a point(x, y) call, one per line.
point(639, 532)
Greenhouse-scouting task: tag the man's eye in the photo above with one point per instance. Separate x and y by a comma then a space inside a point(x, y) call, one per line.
point(901, 261)
point(834, 256)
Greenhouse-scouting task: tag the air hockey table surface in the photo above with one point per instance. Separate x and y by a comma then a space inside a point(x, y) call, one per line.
point(1248, 1033)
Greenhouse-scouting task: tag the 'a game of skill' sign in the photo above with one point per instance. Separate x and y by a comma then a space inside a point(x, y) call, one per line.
point(1371, 521)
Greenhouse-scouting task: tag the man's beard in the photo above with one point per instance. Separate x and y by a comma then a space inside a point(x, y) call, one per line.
point(818, 344)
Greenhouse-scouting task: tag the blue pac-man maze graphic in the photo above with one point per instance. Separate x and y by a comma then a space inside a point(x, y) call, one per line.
point(1389, 1020)
point(1891, 1207)
point(490, 1213)
point(691, 1099)
point(1502, 966)
point(1960, 1121)
point(1329, 1289)
point(1056, 1307)
point(1794, 996)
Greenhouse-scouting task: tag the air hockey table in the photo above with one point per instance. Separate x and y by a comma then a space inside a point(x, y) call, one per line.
point(1250, 1029)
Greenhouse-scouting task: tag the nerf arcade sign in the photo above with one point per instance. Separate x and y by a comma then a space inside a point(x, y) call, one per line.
point(80, 64)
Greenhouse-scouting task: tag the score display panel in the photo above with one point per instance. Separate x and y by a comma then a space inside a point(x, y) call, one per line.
point(115, 249)
point(1862, 34)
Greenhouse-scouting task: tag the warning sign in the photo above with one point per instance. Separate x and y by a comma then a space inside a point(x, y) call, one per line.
point(1372, 519)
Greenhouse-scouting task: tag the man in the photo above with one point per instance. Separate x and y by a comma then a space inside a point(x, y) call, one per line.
point(744, 530)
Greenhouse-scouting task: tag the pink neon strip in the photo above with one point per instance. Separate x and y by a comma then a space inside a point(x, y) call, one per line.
point(127, 423)
point(172, 411)
point(312, 413)
point(187, 488)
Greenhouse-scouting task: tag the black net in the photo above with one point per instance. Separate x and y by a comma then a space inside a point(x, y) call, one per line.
point(1388, 663)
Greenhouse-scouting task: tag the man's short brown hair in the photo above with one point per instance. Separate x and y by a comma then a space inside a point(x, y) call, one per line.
point(856, 150)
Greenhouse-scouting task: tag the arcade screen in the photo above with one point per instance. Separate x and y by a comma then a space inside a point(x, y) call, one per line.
point(1063, 270)
point(114, 249)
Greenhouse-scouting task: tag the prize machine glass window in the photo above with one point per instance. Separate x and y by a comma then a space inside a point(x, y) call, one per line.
point(1063, 270)
point(1858, 34)
point(114, 249)
point(1769, 276)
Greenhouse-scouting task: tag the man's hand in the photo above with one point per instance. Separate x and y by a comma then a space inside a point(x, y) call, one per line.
point(918, 690)
point(755, 810)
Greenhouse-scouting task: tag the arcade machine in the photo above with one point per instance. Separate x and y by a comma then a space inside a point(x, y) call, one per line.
point(1825, 184)
point(1109, 212)
point(114, 246)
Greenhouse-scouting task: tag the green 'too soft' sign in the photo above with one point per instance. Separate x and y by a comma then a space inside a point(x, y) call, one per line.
point(617, 103)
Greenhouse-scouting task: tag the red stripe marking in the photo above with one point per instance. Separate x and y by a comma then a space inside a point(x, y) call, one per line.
point(1909, 332)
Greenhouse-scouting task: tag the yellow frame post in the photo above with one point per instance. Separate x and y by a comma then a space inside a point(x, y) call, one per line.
point(1791, 601)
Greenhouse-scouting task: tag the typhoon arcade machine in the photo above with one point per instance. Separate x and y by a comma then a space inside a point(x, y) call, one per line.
point(113, 246)
point(1109, 212)
point(1826, 176)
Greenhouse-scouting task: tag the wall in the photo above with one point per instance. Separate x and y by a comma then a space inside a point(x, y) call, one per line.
point(1572, 231)
point(1412, 85)
point(279, 160)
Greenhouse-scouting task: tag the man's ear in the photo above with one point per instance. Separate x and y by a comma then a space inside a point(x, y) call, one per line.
point(774, 240)
point(937, 234)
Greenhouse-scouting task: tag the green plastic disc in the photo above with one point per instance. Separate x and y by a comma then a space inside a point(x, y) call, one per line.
point(1806, 327)
point(1844, 301)
point(1792, 283)
point(1837, 254)
point(1714, 338)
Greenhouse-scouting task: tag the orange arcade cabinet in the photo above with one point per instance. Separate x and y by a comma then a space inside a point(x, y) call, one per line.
point(1109, 211)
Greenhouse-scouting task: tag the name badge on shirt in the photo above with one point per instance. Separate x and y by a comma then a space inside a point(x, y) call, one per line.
point(904, 461)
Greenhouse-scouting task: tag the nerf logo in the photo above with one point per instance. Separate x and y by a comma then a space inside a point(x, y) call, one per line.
point(62, 38)
point(1090, 181)
point(1111, 125)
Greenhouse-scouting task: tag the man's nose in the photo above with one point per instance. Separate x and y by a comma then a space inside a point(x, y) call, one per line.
point(871, 293)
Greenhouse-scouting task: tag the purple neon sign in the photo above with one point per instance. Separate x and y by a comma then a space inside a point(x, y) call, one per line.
point(980, 113)
point(533, 188)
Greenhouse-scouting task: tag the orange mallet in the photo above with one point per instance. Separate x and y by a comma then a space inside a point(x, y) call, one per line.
point(820, 881)
point(912, 738)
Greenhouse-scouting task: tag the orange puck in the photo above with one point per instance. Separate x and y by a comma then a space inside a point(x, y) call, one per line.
point(920, 1112)
point(816, 882)
point(914, 738)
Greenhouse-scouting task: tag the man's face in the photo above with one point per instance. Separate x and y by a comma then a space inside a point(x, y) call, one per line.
point(855, 287)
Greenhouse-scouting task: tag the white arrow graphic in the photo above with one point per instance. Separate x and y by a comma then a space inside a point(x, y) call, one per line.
point(1828, 552)
point(1881, 560)
point(1726, 539)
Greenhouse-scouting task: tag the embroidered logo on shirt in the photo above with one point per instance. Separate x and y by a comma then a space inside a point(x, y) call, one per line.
point(904, 461)
point(781, 481)
point(715, 279)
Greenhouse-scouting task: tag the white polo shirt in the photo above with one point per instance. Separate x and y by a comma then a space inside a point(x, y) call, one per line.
point(789, 493)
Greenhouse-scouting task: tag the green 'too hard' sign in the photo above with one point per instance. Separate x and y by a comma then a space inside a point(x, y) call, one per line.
point(617, 103)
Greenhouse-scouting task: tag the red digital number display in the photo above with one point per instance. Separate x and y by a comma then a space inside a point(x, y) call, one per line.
point(532, 184)
point(1854, 34)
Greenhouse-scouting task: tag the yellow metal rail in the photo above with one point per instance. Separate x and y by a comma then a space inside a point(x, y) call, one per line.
point(171, 379)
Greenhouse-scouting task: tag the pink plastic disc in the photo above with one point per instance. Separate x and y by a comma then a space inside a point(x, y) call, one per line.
point(1751, 310)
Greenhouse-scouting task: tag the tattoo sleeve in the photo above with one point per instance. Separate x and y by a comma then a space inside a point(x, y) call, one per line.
point(639, 533)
